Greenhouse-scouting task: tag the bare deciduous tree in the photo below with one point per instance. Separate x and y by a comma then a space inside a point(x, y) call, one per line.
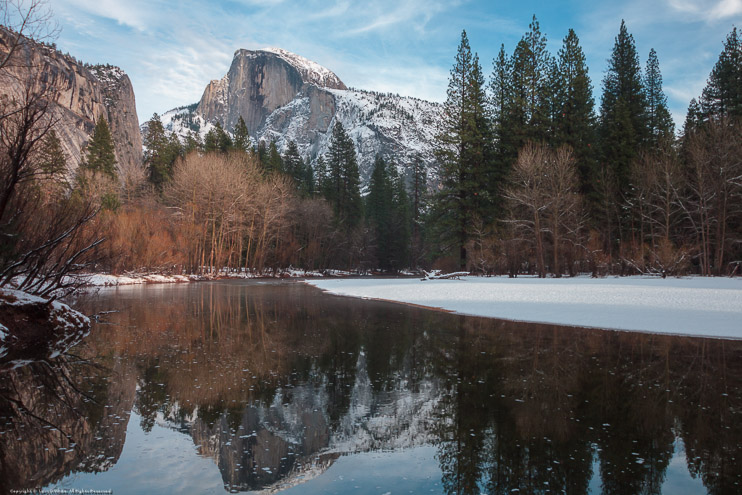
point(544, 201)
point(715, 186)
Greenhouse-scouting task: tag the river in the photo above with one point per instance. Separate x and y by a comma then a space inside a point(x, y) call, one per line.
point(275, 386)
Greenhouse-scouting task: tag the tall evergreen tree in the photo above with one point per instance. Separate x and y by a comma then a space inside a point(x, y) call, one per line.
point(722, 96)
point(538, 89)
point(530, 84)
point(485, 175)
point(321, 177)
point(99, 154)
point(694, 117)
point(464, 154)
point(379, 211)
point(241, 136)
point(192, 143)
point(623, 114)
point(400, 225)
point(342, 188)
point(273, 162)
point(661, 126)
point(574, 123)
point(217, 139)
point(501, 111)
point(418, 207)
point(294, 166)
point(161, 151)
point(52, 158)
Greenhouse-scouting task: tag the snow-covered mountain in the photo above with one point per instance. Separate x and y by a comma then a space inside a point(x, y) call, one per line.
point(285, 97)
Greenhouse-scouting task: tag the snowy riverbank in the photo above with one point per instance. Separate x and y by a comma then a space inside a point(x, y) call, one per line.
point(34, 328)
point(106, 280)
point(686, 306)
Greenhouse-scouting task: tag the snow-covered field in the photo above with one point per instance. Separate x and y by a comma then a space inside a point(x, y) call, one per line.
point(687, 306)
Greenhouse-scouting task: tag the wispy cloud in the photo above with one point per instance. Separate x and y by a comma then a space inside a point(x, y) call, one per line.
point(133, 13)
point(709, 10)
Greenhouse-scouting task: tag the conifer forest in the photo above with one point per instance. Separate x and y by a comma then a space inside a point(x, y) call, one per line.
point(533, 176)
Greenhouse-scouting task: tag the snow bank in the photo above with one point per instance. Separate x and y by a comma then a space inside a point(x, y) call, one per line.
point(688, 306)
point(103, 280)
point(36, 328)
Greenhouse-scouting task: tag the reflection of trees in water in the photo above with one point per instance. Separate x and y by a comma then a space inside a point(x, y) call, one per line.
point(710, 423)
point(562, 394)
point(277, 381)
point(54, 419)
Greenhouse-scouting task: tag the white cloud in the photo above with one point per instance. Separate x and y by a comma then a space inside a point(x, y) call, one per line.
point(132, 13)
point(708, 10)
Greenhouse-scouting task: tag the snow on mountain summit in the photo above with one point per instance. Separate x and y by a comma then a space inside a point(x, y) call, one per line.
point(310, 71)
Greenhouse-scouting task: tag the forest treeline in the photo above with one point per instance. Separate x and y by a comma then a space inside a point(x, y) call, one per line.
point(534, 178)
point(531, 178)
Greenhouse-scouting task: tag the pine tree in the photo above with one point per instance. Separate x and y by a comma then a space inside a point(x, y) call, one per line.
point(538, 93)
point(623, 113)
point(418, 207)
point(193, 142)
point(661, 126)
point(273, 162)
point(161, 151)
point(388, 214)
point(694, 117)
point(464, 154)
point(379, 211)
point(225, 141)
point(531, 92)
point(100, 155)
point(241, 136)
point(322, 182)
point(342, 182)
point(722, 96)
point(53, 161)
point(308, 181)
point(501, 103)
point(400, 224)
point(217, 140)
point(574, 123)
point(211, 141)
point(485, 176)
point(294, 167)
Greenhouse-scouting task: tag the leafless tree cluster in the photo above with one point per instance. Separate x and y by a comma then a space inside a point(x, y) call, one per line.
point(685, 209)
point(222, 212)
point(545, 208)
point(713, 206)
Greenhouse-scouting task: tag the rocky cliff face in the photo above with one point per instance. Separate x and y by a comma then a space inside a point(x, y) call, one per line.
point(80, 95)
point(284, 97)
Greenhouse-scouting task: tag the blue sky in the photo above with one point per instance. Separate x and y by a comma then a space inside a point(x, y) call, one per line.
point(172, 49)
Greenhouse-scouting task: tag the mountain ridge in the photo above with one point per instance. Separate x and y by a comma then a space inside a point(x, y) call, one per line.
point(285, 97)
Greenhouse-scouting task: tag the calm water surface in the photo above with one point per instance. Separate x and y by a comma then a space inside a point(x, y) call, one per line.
point(242, 386)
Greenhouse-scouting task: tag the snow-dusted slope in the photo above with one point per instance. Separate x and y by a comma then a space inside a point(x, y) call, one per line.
point(400, 129)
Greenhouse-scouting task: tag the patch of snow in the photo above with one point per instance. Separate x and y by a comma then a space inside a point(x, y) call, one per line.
point(105, 280)
point(310, 71)
point(689, 306)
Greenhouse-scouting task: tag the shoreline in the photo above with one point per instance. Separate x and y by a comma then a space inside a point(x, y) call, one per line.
point(708, 307)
